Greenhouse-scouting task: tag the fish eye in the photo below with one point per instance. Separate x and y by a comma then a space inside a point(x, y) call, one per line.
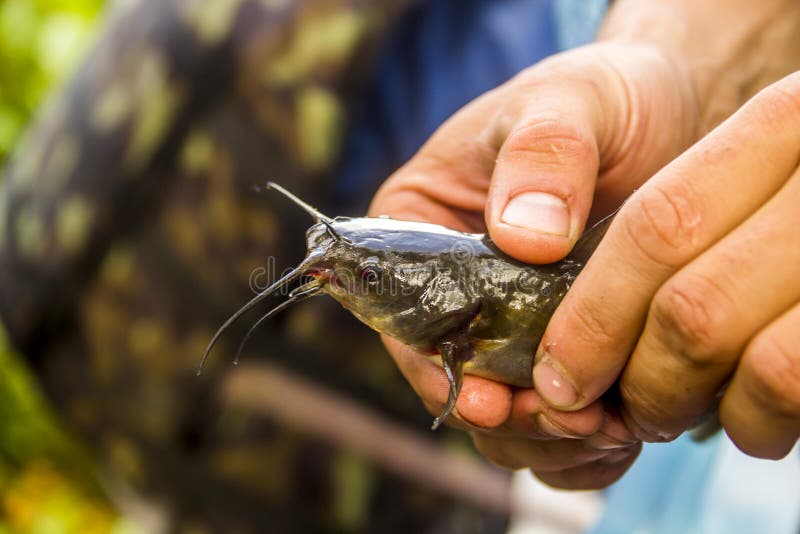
point(370, 272)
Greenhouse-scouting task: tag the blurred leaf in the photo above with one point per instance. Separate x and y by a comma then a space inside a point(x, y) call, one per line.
point(47, 480)
point(61, 43)
point(41, 42)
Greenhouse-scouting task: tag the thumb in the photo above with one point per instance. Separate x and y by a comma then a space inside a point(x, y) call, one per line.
point(544, 178)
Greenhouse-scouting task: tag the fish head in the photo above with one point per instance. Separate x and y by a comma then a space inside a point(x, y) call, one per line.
point(397, 277)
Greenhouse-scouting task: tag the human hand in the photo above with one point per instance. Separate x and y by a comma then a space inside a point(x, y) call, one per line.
point(697, 281)
point(593, 132)
point(588, 127)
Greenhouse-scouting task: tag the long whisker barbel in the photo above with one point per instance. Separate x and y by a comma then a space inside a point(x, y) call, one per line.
point(294, 274)
point(290, 277)
point(300, 294)
point(319, 217)
point(308, 208)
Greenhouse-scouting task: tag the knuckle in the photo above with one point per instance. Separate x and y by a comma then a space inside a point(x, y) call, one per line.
point(452, 151)
point(774, 368)
point(640, 402)
point(549, 141)
point(781, 100)
point(690, 313)
point(495, 451)
point(591, 323)
point(664, 224)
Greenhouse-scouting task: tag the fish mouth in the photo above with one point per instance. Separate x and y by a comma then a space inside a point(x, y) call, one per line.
point(338, 285)
point(325, 277)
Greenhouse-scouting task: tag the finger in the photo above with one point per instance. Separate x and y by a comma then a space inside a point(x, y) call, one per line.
point(701, 319)
point(539, 455)
point(760, 410)
point(573, 108)
point(613, 433)
point(594, 475)
point(447, 180)
point(488, 405)
point(543, 183)
point(483, 403)
point(671, 220)
point(585, 137)
point(531, 417)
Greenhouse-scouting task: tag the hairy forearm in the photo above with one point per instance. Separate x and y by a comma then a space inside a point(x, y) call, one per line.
point(728, 49)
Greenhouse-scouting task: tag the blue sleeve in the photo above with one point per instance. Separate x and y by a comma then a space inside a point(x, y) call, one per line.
point(443, 55)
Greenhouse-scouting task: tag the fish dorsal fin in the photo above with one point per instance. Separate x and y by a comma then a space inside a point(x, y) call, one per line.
point(585, 246)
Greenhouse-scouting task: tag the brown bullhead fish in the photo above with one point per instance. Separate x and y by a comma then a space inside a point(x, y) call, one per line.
point(450, 294)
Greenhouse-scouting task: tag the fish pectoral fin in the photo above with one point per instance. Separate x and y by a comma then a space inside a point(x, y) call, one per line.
point(453, 364)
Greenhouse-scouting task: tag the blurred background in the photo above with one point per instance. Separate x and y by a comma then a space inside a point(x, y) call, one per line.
point(47, 481)
point(133, 137)
point(41, 42)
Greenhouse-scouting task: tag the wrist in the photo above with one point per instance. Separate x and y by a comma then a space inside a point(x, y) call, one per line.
point(723, 51)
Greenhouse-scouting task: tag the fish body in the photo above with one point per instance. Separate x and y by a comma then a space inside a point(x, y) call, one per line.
point(453, 295)
point(428, 286)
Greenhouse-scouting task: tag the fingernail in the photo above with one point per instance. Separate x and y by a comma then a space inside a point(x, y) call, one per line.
point(642, 433)
point(552, 386)
point(603, 442)
point(547, 426)
point(617, 456)
point(613, 434)
point(635, 428)
point(540, 212)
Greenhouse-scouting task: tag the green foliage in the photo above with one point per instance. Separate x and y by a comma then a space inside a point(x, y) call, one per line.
point(47, 481)
point(28, 429)
point(40, 43)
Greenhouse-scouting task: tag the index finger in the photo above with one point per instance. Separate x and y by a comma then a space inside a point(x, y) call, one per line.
point(683, 210)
